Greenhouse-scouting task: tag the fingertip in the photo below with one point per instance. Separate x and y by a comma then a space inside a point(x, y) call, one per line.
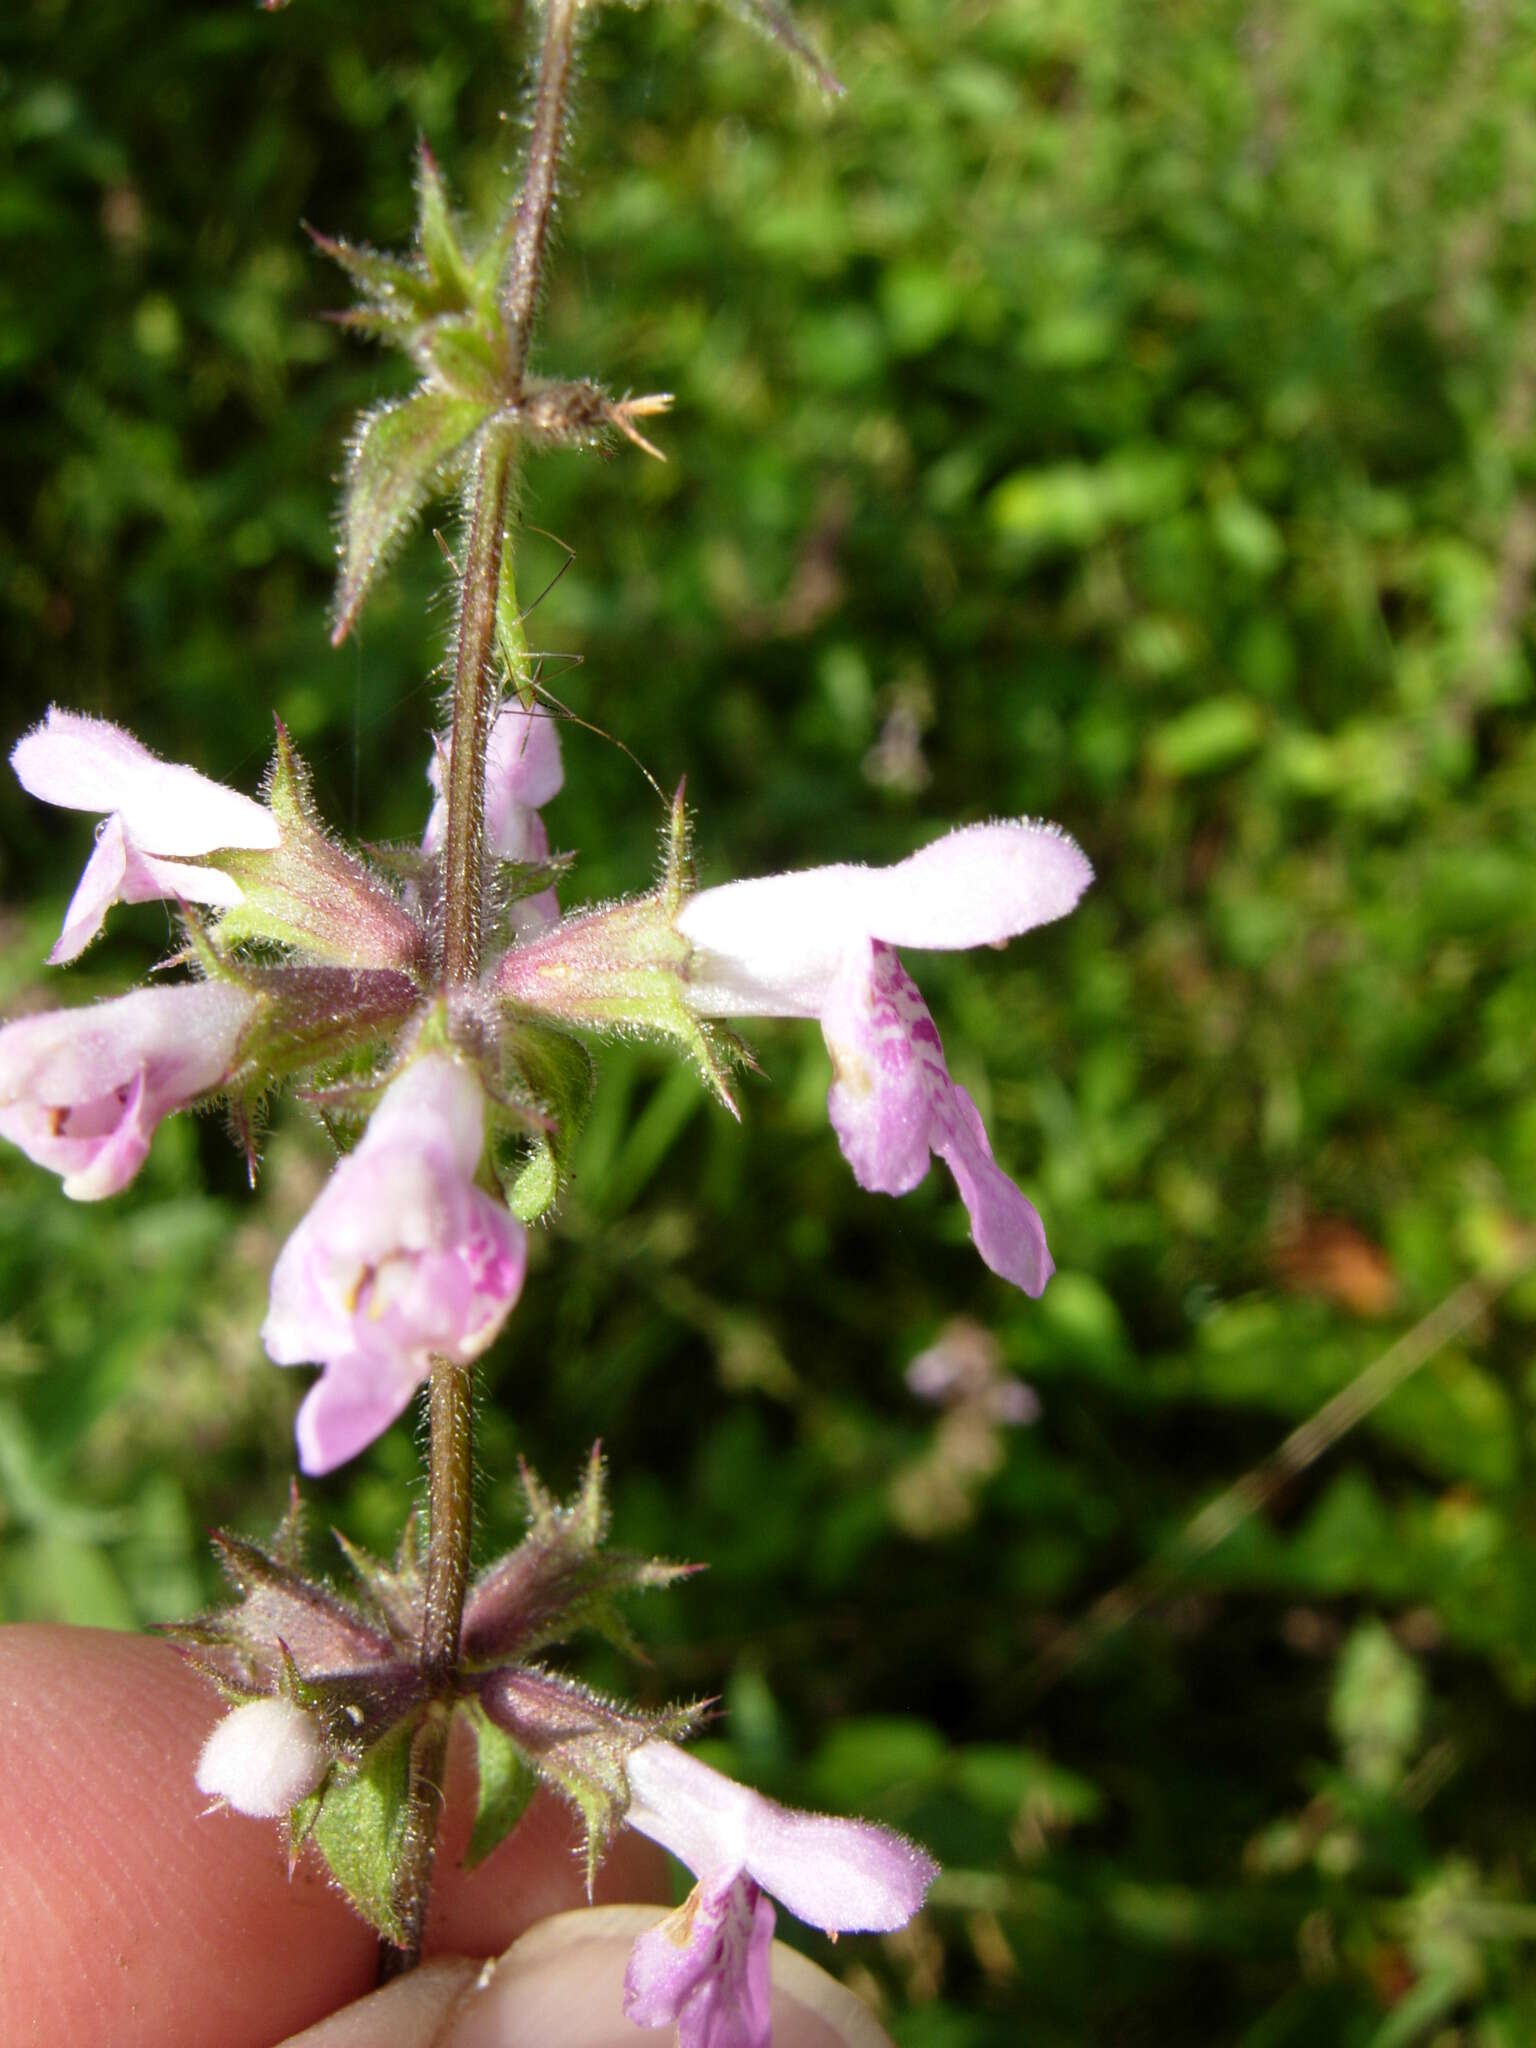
point(561, 1985)
point(127, 1913)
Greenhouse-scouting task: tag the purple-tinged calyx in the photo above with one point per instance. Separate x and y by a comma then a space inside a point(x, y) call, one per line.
point(561, 1577)
point(161, 820)
point(623, 968)
point(705, 1969)
point(403, 1258)
point(307, 894)
point(821, 943)
point(81, 1091)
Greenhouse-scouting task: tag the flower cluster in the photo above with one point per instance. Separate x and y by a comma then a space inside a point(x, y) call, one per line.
point(313, 963)
point(456, 1104)
point(326, 1693)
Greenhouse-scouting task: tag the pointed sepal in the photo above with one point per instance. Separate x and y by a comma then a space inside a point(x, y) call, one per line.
point(505, 1782)
point(578, 1741)
point(312, 895)
point(780, 28)
point(559, 1580)
point(624, 969)
point(394, 1594)
point(282, 1618)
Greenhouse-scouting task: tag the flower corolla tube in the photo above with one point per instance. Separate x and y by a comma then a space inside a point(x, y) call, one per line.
point(822, 943)
point(402, 1258)
point(705, 1969)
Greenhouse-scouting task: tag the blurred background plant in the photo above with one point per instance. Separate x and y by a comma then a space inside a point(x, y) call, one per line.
point(1120, 411)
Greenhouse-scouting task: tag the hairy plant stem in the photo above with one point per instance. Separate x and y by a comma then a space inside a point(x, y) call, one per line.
point(474, 706)
point(450, 1398)
point(450, 1466)
point(525, 266)
point(450, 1525)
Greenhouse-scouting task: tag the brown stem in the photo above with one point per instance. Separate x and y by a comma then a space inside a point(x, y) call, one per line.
point(413, 1878)
point(450, 1464)
point(450, 1525)
point(525, 266)
point(450, 1514)
point(474, 706)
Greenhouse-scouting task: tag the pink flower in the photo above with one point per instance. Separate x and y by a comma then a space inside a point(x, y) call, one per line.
point(705, 1969)
point(402, 1259)
point(157, 815)
point(821, 943)
point(81, 1091)
point(523, 771)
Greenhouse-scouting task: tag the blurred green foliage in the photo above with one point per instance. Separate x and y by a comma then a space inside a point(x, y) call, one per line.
point(1122, 411)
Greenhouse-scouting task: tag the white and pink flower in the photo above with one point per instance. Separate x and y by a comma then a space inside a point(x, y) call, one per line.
point(81, 1091)
point(160, 819)
point(821, 943)
point(523, 771)
point(705, 1970)
point(402, 1259)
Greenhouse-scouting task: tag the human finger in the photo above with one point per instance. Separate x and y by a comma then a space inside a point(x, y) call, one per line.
point(129, 1914)
point(561, 1985)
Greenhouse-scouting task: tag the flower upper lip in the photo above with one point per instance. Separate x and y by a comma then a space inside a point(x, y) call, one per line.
point(772, 947)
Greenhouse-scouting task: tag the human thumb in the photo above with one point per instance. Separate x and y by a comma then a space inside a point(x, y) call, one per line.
point(561, 1985)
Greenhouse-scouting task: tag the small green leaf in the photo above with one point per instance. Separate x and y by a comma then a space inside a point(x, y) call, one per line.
point(506, 1781)
point(360, 1829)
point(553, 1071)
point(401, 453)
point(1377, 1709)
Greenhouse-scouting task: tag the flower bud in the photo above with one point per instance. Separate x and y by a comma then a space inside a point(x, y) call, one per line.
point(262, 1759)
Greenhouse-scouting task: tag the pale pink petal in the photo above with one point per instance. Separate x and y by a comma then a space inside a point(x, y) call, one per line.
point(531, 915)
point(95, 893)
point(523, 771)
point(884, 1047)
point(979, 886)
point(352, 1403)
point(403, 1258)
point(85, 764)
point(149, 879)
point(773, 947)
point(81, 763)
point(81, 1091)
point(697, 1813)
point(110, 1161)
point(844, 1875)
point(705, 1969)
point(1005, 1225)
point(892, 1102)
